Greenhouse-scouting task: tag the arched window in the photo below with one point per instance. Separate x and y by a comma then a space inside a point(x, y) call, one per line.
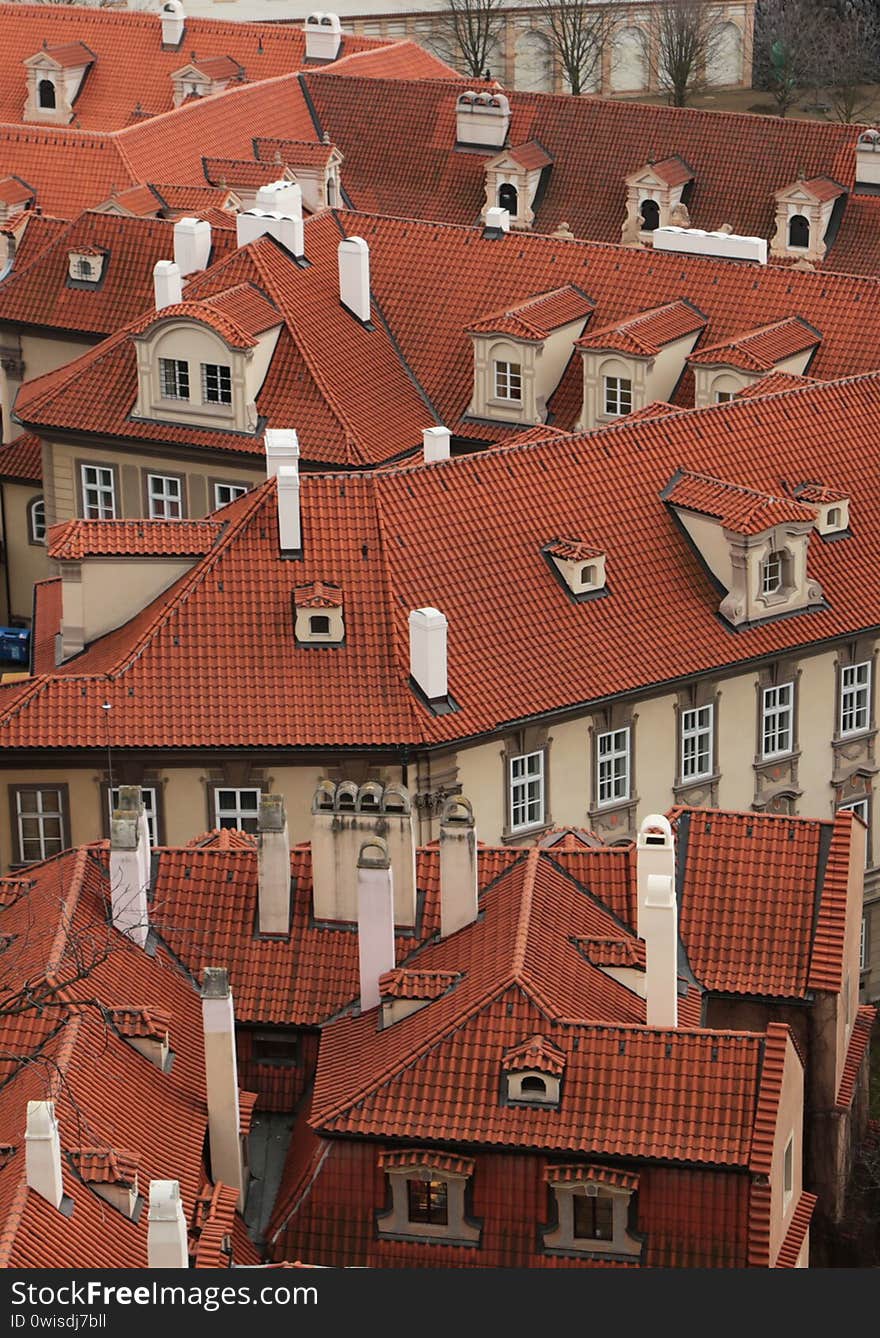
point(773, 573)
point(37, 521)
point(331, 193)
point(650, 215)
point(508, 198)
point(319, 624)
point(46, 94)
point(537, 1086)
point(588, 575)
point(798, 231)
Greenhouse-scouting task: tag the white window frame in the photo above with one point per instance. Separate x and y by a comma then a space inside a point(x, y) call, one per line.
point(777, 718)
point(855, 698)
point(173, 373)
point(526, 790)
point(724, 396)
point(98, 492)
point(151, 808)
point(613, 766)
point(39, 815)
point(617, 395)
point(37, 520)
point(863, 944)
point(235, 810)
point(216, 383)
point(508, 380)
point(862, 806)
point(788, 1172)
point(772, 573)
point(697, 740)
point(164, 494)
point(235, 491)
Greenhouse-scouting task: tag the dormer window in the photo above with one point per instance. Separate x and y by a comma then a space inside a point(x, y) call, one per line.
point(798, 233)
point(318, 614)
point(807, 213)
point(593, 1208)
point(174, 378)
point(650, 213)
point(508, 380)
point(588, 576)
point(428, 1197)
point(771, 573)
point(85, 266)
point(216, 383)
point(46, 94)
point(319, 625)
point(618, 395)
point(54, 78)
point(580, 565)
point(656, 195)
point(831, 507)
point(533, 1071)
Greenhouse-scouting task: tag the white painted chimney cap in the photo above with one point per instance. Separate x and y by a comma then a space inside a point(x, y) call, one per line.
point(654, 826)
point(165, 1205)
point(497, 219)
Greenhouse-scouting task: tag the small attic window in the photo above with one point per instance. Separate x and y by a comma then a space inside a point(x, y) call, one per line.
point(650, 215)
point(46, 94)
point(832, 517)
point(319, 624)
point(534, 1086)
point(85, 266)
point(579, 565)
point(318, 616)
point(533, 1089)
point(588, 576)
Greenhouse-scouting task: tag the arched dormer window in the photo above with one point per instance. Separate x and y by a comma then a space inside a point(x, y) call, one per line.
point(37, 521)
point(533, 1086)
point(331, 193)
point(46, 94)
point(508, 198)
point(799, 232)
point(650, 212)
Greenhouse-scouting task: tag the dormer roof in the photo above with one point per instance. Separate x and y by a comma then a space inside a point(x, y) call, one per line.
point(15, 191)
point(760, 350)
point(216, 68)
point(294, 152)
point(581, 1173)
point(317, 595)
point(537, 1052)
point(573, 550)
point(537, 316)
point(741, 510)
point(623, 951)
point(70, 56)
point(73, 540)
point(237, 314)
point(414, 984)
point(531, 156)
point(105, 1166)
point(821, 188)
point(817, 492)
point(672, 171)
point(242, 172)
point(774, 382)
point(643, 335)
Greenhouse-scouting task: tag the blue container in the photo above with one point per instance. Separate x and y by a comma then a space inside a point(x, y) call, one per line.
point(15, 644)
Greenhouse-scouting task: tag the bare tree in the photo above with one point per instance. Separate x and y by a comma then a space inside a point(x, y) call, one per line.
point(687, 38)
point(790, 45)
point(578, 34)
point(850, 60)
point(468, 34)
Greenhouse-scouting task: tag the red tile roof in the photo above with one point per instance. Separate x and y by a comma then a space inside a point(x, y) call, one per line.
point(860, 1039)
point(581, 1173)
point(573, 550)
point(537, 1052)
point(645, 334)
point(816, 492)
point(238, 314)
point(105, 1166)
point(70, 56)
point(47, 621)
point(15, 191)
point(408, 984)
point(239, 172)
point(292, 152)
point(739, 509)
point(613, 951)
point(790, 1248)
point(22, 459)
point(673, 171)
point(441, 1161)
point(760, 350)
point(774, 382)
point(75, 539)
point(531, 156)
point(823, 188)
point(396, 60)
point(317, 595)
point(537, 316)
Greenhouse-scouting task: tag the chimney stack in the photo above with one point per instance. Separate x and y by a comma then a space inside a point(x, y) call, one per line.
point(192, 244)
point(278, 212)
point(289, 529)
point(273, 863)
point(375, 905)
point(427, 652)
point(658, 918)
point(459, 887)
point(482, 119)
point(167, 284)
point(221, 1080)
point(436, 443)
point(497, 222)
point(166, 1227)
point(42, 1143)
point(130, 865)
point(173, 23)
point(354, 277)
point(323, 36)
point(282, 448)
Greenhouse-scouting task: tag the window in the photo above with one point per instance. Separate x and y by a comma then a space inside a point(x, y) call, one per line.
point(535, 1085)
point(832, 519)
point(216, 383)
point(227, 492)
point(174, 379)
point(237, 808)
point(593, 1217)
point(98, 493)
point(650, 215)
point(612, 754)
point(798, 231)
point(279, 1047)
point(696, 742)
point(526, 791)
point(777, 720)
point(40, 823)
point(84, 268)
point(165, 496)
point(863, 808)
point(331, 193)
point(618, 395)
point(863, 945)
point(723, 396)
point(319, 624)
point(37, 521)
point(771, 574)
point(508, 380)
point(427, 1202)
point(588, 575)
point(508, 199)
point(148, 794)
point(46, 94)
point(855, 697)
point(788, 1170)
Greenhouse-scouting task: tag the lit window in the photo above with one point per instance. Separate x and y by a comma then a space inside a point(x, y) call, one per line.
point(593, 1217)
point(612, 754)
point(526, 791)
point(98, 492)
point(216, 383)
point(174, 379)
point(771, 574)
point(227, 492)
point(862, 807)
point(508, 380)
point(427, 1202)
point(788, 1171)
point(37, 521)
point(148, 794)
point(40, 822)
point(618, 395)
point(855, 697)
point(237, 808)
point(696, 742)
point(165, 496)
point(777, 720)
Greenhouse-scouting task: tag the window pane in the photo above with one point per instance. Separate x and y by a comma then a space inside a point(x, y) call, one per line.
point(527, 790)
point(216, 383)
point(593, 1217)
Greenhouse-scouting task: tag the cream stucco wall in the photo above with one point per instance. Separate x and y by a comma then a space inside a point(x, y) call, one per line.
point(26, 562)
point(790, 1119)
point(655, 754)
point(39, 353)
point(481, 774)
point(84, 804)
point(816, 711)
point(737, 732)
point(102, 593)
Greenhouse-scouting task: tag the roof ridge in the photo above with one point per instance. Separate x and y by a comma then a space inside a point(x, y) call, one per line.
point(768, 1095)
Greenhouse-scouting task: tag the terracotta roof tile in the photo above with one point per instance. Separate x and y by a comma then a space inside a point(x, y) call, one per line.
point(405, 983)
point(537, 1052)
point(584, 1173)
point(860, 1039)
point(797, 1230)
point(15, 191)
point(292, 152)
point(531, 156)
point(22, 459)
point(673, 171)
point(239, 172)
point(760, 350)
point(47, 621)
point(105, 1166)
point(74, 539)
point(823, 188)
point(773, 383)
point(769, 1095)
point(536, 317)
point(826, 970)
point(646, 333)
point(613, 951)
point(440, 1161)
point(573, 550)
point(71, 55)
point(317, 595)
point(741, 510)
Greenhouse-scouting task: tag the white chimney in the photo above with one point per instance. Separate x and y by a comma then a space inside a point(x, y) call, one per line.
point(282, 448)
point(280, 197)
point(221, 1079)
point(436, 443)
point(482, 119)
point(42, 1156)
point(497, 221)
point(278, 212)
point(173, 22)
point(375, 906)
point(167, 284)
point(868, 159)
point(323, 36)
point(459, 887)
point(192, 244)
point(130, 865)
point(658, 918)
point(289, 531)
point(166, 1227)
point(427, 652)
point(354, 277)
point(273, 865)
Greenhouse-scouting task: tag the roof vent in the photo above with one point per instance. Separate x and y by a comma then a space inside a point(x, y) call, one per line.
point(323, 36)
point(482, 120)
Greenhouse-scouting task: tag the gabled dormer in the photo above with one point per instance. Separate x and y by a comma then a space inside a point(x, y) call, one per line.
point(722, 370)
point(831, 505)
point(656, 196)
point(753, 544)
point(635, 361)
point(521, 353)
point(85, 267)
point(205, 75)
point(580, 566)
point(245, 176)
point(15, 196)
point(404, 991)
point(112, 1175)
point(54, 78)
point(807, 216)
point(316, 167)
point(318, 619)
point(514, 179)
point(203, 363)
point(532, 1073)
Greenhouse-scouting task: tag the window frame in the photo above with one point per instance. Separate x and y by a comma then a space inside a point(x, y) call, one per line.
point(686, 733)
point(33, 538)
point(776, 711)
point(774, 563)
point(236, 809)
point(788, 1172)
point(175, 397)
point(267, 1036)
point(43, 81)
point(226, 483)
point(84, 488)
point(848, 695)
point(610, 757)
point(623, 390)
point(166, 477)
point(862, 801)
point(524, 780)
point(513, 373)
point(426, 1217)
point(205, 370)
point(62, 789)
point(580, 1201)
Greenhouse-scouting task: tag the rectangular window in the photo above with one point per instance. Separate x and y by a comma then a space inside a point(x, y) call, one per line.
point(174, 379)
point(618, 395)
point(593, 1217)
point(526, 791)
point(863, 945)
point(855, 697)
point(279, 1047)
point(40, 823)
point(165, 496)
point(98, 492)
point(508, 381)
point(216, 383)
point(771, 574)
point(696, 742)
point(777, 720)
point(863, 808)
point(427, 1202)
point(612, 758)
point(148, 793)
point(237, 808)
point(723, 396)
point(224, 493)
point(788, 1169)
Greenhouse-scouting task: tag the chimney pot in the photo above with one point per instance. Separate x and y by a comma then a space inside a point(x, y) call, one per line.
point(282, 448)
point(273, 864)
point(173, 23)
point(436, 443)
point(166, 1227)
point(323, 36)
point(43, 1152)
point(427, 652)
point(278, 212)
point(375, 906)
point(497, 221)
point(354, 277)
point(167, 284)
point(192, 244)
